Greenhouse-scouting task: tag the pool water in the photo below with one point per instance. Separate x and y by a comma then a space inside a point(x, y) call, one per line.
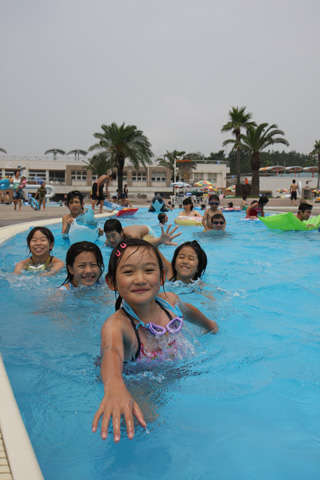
point(244, 405)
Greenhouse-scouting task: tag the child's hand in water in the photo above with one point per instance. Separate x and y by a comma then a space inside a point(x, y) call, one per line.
point(116, 402)
point(167, 236)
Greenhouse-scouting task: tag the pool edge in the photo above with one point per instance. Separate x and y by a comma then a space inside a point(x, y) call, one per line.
point(22, 460)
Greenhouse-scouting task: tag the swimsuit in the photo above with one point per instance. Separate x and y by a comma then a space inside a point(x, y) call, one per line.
point(40, 267)
point(141, 354)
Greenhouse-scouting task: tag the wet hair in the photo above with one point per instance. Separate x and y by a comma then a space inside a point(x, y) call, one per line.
point(113, 175)
point(74, 194)
point(188, 201)
point(43, 230)
point(117, 254)
point(263, 200)
point(214, 197)
point(162, 218)
point(244, 197)
point(304, 206)
point(111, 225)
point(217, 216)
point(202, 259)
point(78, 248)
point(254, 201)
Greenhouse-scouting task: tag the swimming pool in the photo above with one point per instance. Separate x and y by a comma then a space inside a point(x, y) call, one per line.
point(245, 405)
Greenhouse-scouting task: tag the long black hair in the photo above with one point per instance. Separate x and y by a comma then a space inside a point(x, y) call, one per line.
point(78, 248)
point(116, 256)
point(202, 259)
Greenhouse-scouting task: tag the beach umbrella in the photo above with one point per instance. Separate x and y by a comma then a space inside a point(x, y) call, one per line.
point(77, 153)
point(316, 191)
point(231, 188)
point(203, 183)
point(55, 151)
point(282, 190)
point(210, 188)
point(294, 169)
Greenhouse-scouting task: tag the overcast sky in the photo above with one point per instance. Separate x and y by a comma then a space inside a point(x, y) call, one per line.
point(173, 68)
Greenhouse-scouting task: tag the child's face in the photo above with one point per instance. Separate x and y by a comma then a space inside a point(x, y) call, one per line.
point(75, 206)
point(214, 204)
point(138, 276)
point(85, 269)
point(113, 238)
point(40, 244)
point(186, 264)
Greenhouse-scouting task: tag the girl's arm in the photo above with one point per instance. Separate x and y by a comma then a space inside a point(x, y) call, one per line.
point(117, 400)
point(192, 314)
point(20, 267)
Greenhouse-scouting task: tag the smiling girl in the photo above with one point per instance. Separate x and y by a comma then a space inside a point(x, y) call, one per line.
point(84, 265)
point(136, 274)
point(40, 241)
point(189, 263)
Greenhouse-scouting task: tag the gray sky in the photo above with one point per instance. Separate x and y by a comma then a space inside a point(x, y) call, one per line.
point(173, 68)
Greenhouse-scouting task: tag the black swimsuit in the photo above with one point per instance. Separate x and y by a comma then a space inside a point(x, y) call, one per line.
point(137, 332)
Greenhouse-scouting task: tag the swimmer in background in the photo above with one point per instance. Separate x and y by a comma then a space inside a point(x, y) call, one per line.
point(41, 193)
point(213, 209)
point(189, 263)
point(163, 218)
point(304, 211)
point(115, 234)
point(136, 273)
point(257, 208)
point(40, 241)
point(75, 203)
point(243, 204)
point(218, 222)
point(97, 195)
point(123, 201)
point(84, 266)
point(188, 210)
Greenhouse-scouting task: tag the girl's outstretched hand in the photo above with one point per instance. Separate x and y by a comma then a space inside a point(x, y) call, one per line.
point(167, 236)
point(116, 402)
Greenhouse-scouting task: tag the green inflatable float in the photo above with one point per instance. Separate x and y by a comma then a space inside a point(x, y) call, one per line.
point(288, 221)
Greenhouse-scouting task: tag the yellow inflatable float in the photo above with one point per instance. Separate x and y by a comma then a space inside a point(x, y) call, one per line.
point(187, 221)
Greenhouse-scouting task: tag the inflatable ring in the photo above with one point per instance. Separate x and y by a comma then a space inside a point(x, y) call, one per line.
point(34, 204)
point(233, 209)
point(4, 184)
point(187, 221)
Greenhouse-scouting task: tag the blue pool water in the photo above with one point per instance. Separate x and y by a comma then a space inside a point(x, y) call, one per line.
point(244, 405)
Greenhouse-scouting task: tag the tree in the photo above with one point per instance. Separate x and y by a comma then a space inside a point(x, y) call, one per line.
point(169, 160)
point(119, 143)
point(253, 142)
point(99, 164)
point(316, 151)
point(238, 119)
point(216, 155)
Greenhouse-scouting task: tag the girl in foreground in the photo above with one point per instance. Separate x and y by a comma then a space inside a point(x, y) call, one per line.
point(40, 241)
point(189, 263)
point(84, 265)
point(136, 274)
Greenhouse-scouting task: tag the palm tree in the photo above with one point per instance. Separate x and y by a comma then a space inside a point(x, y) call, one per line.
point(121, 143)
point(253, 142)
point(316, 151)
point(238, 119)
point(169, 160)
point(99, 164)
